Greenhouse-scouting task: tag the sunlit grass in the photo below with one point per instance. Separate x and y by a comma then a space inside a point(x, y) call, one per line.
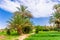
point(46, 35)
point(13, 36)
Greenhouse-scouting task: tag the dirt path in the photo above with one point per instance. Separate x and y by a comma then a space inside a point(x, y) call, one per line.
point(23, 36)
point(2, 37)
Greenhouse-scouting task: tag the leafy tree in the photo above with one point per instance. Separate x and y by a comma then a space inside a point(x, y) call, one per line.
point(55, 18)
point(20, 19)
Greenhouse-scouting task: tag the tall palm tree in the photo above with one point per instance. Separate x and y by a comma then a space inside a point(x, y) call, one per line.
point(56, 16)
point(20, 19)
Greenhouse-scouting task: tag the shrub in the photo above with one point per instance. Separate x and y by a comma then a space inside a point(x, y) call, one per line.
point(42, 28)
point(27, 29)
point(8, 31)
point(37, 29)
point(45, 30)
point(57, 29)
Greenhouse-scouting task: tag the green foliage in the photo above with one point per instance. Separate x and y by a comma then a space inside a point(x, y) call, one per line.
point(27, 29)
point(41, 28)
point(36, 30)
point(8, 31)
point(57, 29)
point(43, 35)
point(20, 19)
point(4, 36)
point(46, 28)
point(55, 18)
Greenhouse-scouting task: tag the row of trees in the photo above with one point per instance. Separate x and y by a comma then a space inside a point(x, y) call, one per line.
point(44, 28)
point(21, 20)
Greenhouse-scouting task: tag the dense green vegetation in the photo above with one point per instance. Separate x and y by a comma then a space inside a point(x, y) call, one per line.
point(20, 21)
point(43, 35)
point(12, 36)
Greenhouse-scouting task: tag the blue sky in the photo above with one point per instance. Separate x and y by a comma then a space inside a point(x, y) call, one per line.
point(40, 9)
point(4, 17)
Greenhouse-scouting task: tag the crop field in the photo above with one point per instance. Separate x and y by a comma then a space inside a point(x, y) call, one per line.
point(45, 35)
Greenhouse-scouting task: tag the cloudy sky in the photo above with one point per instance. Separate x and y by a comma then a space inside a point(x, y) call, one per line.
point(40, 9)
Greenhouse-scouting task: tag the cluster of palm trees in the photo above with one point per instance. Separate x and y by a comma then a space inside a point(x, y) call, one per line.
point(20, 20)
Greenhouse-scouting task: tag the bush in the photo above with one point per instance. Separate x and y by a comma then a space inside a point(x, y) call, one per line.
point(57, 29)
point(8, 31)
point(37, 30)
point(42, 28)
point(45, 30)
point(27, 29)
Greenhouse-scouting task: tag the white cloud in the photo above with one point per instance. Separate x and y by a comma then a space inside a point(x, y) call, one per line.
point(9, 6)
point(39, 8)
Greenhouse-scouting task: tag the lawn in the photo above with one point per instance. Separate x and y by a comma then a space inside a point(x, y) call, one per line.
point(45, 35)
point(4, 36)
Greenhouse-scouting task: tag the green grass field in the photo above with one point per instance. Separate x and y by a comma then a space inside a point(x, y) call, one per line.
point(4, 36)
point(46, 35)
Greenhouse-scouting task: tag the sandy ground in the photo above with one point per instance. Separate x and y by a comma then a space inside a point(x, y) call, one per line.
point(23, 36)
point(2, 37)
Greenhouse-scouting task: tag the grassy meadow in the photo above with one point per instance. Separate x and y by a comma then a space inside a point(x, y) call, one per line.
point(45, 35)
point(4, 36)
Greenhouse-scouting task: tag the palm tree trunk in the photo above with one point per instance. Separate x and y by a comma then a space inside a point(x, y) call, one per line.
point(19, 31)
point(58, 25)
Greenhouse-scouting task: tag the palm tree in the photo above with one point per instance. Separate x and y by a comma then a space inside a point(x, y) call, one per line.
point(56, 16)
point(20, 19)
